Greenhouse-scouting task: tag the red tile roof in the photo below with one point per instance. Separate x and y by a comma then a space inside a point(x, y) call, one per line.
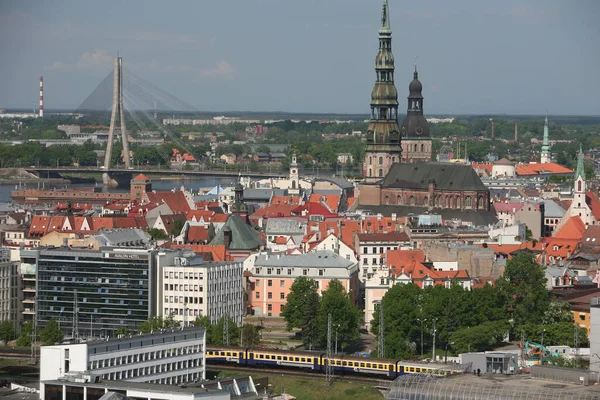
point(197, 234)
point(536, 169)
point(395, 237)
point(312, 208)
point(141, 178)
point(275, 200)
point(331, 201)
point(175, 200)
point(274, 211)
point(572, 229)
point(219, 252)
point(592, 200)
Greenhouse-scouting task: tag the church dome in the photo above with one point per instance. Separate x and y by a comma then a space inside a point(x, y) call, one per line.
point(383, 94)
point(415, 88)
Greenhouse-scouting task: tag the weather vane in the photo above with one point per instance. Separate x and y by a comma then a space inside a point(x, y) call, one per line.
point(416, 58)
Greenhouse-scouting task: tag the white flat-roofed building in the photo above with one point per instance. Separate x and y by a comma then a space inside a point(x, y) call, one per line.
point(273, 276)
point(192, 287)
point(168, 357)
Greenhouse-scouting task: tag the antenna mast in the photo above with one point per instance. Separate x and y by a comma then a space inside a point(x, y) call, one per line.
point(329, 366)
point(381, 345)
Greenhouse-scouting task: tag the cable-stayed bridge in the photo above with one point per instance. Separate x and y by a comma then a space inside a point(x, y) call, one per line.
point(129, 97)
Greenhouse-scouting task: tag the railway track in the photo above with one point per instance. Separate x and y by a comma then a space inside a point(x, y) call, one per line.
point(316, 376)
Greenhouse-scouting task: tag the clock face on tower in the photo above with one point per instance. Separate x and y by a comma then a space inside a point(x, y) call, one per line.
point(419, 130)
point(293, 171)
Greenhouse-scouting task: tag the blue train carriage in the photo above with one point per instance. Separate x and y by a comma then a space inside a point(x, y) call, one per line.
point(282, 358)
point(224, 354)
point(363, 365)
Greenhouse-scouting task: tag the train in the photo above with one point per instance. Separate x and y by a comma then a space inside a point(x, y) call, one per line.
point(318, 362)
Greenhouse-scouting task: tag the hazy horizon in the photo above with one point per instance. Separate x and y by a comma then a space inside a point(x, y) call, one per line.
point(313, 57)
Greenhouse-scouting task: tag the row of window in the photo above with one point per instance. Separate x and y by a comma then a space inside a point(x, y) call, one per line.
point(182, 311)
point(381, 249)
point(184, 299)
point(183, 275)
point(290, 271)
point(155, 369)
point(185, 288)
point(438, 201)
point(140, 357)
point(375, 262)
point(270, 295)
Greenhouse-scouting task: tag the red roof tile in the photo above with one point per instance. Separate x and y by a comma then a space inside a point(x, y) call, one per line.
point(572, 229)
point(141, 178)
point(175, 200)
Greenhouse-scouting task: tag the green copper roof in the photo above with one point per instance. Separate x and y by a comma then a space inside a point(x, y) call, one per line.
point(243, 236)
point(385, 18)
point(546, 143)
point(580, 171)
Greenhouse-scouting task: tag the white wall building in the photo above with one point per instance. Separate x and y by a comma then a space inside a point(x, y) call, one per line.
point(192, 287)
point(168, 357)
point(11, 295)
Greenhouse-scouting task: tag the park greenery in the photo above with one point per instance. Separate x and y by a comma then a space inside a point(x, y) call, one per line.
point(246, 335)
point(316, 144)
point(478, 319)
point(308, 311)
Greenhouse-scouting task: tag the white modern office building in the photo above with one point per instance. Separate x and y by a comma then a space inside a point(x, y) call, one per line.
point(168, 357)
point(191, 287)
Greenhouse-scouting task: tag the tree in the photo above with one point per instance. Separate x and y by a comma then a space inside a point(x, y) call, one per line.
point(157, 323)
point(123, 331)
point(250, 335)
point(24, 338)
point(301, 309)
point(402, 306)
point(558, 311)
point(7, 332)
point(177, 227)
point(51, 333)
point(217, 332)
point(156, 233)
point(479, 338)
point(523, 286)
point(345, 316)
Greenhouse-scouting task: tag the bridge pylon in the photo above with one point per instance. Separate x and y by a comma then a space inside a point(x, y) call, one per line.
point(117, 109)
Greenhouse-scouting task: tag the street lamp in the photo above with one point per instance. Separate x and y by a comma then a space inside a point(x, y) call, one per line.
point(543, 333)
point(434, 331)
point(422, 321)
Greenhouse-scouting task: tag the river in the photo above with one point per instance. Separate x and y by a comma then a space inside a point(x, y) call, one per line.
point(194, 185)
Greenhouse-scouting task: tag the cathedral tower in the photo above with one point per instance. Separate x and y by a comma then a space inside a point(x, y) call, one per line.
point(416, 138)
point(546, 157)
point(383, 134)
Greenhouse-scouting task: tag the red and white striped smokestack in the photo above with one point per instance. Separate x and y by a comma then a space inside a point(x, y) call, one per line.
point(41, 96)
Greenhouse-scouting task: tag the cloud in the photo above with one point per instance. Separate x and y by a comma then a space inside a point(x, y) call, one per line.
point(99, 58)
point(222, 69)
point(96, 59)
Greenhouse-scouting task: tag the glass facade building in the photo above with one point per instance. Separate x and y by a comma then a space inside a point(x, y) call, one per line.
point(111, 289)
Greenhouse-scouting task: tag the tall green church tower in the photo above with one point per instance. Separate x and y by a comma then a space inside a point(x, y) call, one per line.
point(383, 134)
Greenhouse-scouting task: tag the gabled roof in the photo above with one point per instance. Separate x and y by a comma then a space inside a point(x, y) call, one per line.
point(243, 236)
point(274, 211)
point(293, 200)
point(197, 234)
point(572, 229)
point(545, 168)
point(592, 201)
point(509, 208)
point(331, 201)
point(312, 208)
point(175, 200)
point(591, 236)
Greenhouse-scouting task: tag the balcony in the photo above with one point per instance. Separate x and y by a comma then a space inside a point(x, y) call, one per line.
point(28, 311)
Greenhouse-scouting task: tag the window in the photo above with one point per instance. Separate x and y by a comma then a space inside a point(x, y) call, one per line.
point(321, 272)
point(258, 295)
point(270, 295)
point(380, 160)
point(381, 250)
point(269, 307)
point(412, 200)
point(278, 271)
point(289, 271)
point(468, 202)
point(282, 296)
point(269, 282)
point(374, 261)
point(380, 172)
point(365, 261)
point(304, 272)
point(365, 250)
point(282, 283)
point(269, 271)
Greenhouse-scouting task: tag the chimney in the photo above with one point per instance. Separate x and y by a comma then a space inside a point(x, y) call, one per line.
point(394, 217)
point(516, 132)
point(41, 96)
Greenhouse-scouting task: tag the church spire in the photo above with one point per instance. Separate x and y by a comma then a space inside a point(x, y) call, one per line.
point(545, 157)
point(580, 171)
point(383, 134)
point(385, 18)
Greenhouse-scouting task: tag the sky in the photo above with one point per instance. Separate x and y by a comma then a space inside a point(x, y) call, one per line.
point(318, 56)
